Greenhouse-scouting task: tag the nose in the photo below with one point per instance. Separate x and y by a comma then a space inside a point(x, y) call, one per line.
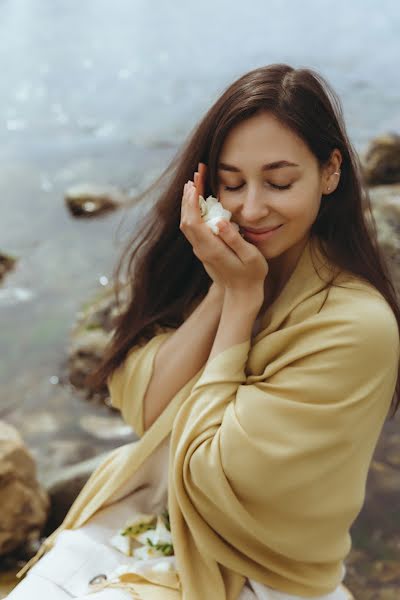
point(253, 209)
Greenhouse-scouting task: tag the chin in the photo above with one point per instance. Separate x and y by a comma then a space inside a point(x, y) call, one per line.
point(281, 247)
point(270, 253)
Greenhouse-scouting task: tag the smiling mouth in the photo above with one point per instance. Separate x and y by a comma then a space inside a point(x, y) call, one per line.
point(260, 231)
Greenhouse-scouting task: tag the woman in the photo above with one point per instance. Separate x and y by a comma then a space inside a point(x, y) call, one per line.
point(257, 368)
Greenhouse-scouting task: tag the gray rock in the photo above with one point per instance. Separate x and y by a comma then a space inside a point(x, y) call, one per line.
point(24, 503)
point(89, 337)
point(84, 354)
point(381, 163)
point(385, 202)
point(105, 427)
point(100, 312)
point(7, 263)
point(65, 487)
point(88, 200)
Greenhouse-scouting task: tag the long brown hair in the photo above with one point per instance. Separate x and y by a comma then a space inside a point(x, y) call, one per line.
point(164, 277)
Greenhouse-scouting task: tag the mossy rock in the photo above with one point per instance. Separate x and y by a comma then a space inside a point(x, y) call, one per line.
point(7, 263)
point(92, 332)
point(381, 163)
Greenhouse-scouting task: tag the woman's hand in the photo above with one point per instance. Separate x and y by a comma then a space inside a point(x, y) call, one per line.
point(233, 264)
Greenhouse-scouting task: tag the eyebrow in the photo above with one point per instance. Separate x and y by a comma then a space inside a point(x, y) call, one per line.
point(278, 164)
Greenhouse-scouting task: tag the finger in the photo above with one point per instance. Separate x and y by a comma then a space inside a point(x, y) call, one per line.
point(185, 201)
point(194, 200)
point(202, 168)
point(190, 212)
point(184, 195)
point(234, 240)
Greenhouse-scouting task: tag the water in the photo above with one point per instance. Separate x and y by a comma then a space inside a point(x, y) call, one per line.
point(104, 92)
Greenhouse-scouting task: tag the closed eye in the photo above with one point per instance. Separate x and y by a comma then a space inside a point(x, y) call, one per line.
point(273, 185)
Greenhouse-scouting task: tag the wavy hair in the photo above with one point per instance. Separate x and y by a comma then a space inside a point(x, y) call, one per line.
point(164, 277)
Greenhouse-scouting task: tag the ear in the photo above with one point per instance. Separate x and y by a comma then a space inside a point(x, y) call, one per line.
point(331, 174)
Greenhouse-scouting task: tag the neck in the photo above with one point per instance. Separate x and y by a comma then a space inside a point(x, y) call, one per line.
point(280, 270)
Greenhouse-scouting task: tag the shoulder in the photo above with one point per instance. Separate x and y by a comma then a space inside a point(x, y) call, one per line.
point(360, 310)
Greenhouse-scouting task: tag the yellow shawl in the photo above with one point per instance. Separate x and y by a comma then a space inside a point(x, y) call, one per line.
point(271, 441)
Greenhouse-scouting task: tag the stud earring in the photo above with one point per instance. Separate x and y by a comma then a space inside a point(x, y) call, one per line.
point(335, 173)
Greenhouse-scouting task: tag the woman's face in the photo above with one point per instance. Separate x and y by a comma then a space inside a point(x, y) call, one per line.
point(267, 177)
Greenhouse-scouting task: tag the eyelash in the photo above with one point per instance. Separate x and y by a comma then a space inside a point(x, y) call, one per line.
point(276, 187)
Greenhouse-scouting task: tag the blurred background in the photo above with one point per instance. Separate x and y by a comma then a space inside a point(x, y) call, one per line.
point(95, 99)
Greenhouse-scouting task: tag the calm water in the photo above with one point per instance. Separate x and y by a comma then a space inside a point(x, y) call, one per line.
point(104, 92)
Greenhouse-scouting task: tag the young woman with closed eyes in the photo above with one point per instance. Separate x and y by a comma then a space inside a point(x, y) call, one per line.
point(257, 366)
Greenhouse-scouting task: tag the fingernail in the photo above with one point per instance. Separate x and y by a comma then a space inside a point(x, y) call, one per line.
point(222, 226)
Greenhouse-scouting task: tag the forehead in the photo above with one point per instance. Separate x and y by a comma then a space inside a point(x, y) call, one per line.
point(262, 139)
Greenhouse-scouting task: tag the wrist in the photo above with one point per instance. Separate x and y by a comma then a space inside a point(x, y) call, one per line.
point(216, 293)
point(250, 300)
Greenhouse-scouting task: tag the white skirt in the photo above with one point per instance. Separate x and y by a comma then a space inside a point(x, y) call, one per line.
point(81, 555)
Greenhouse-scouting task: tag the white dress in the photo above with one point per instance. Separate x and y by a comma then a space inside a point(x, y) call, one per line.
point(81, 555)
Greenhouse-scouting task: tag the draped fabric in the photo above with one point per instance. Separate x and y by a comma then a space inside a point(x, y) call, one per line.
point(271, 441)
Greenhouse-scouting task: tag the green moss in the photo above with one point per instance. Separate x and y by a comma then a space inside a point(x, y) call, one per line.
point(92, 326)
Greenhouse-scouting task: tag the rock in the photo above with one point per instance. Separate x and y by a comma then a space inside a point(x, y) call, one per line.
point(42, 422)
point(386, 571)
point(24, 503)
point(100, 312)
point(381, 163)
point(392, 449)
point(8, 580)
point(105, 428)
point(7, 263)
point(93, 330)
point(385, 479)
point(65, 487)
point(87, 200)
point(61, 452)
point(385, 203)
point(85, 353)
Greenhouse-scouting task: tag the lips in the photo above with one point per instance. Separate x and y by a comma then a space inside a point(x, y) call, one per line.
point(261, 230)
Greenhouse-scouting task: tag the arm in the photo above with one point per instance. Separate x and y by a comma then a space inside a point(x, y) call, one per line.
point(152, 373)
point(228, 318)
point(127, 384)
point(237, 319)
point(182, 355)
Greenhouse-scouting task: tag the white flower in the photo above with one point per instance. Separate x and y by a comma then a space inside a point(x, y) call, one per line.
point(212, 212)
point(140, 523)
point(123, 543)
point(146, 552)
point(124, 539)
point(152, 531)
point(159, 535)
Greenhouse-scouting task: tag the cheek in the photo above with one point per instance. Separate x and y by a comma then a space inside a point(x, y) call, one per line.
point(226, 198)
point(305, 203)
